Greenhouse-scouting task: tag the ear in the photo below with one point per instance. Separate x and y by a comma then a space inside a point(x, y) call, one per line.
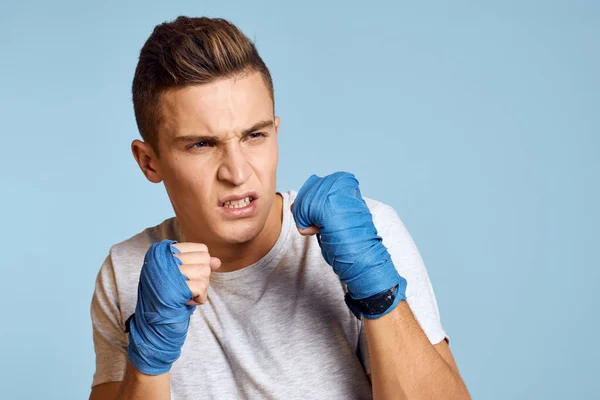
point(147, 160)
point(277, 125)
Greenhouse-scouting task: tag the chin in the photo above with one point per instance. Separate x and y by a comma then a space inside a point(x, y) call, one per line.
point(242, 233)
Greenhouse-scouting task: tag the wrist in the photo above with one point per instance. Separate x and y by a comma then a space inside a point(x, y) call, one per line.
point(370, 272)
point(141, 377)
point(398, 297)
point(379, 304)
point(148, 360)
point(137, 385)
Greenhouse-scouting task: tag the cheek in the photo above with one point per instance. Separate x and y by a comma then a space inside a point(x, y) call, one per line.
point(265, 162)
point(184, 178)
point(181, 173)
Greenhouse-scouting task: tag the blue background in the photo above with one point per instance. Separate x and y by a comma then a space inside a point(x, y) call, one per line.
point(479, 122)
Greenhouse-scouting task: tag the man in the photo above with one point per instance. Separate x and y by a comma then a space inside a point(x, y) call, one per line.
point(228, 300)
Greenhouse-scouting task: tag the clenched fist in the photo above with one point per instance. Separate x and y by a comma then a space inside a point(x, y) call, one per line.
point(173, 281)
point(196, 265)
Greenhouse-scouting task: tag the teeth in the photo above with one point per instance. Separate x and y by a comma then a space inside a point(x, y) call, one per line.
point(237, 203)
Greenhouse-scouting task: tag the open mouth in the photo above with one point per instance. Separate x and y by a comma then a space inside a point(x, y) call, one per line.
point(245, 202)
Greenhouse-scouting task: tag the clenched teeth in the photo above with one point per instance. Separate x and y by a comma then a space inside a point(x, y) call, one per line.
point(237, 203)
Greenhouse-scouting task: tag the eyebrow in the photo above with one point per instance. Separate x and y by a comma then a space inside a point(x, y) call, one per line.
point(204, 138)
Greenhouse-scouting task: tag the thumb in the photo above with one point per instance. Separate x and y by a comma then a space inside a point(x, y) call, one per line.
point(311, 230)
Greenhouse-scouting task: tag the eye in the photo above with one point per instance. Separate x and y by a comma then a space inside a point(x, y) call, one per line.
point(199, 145)
point(256, 135)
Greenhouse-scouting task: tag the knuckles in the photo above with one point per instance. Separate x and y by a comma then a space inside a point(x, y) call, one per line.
point(196, 266)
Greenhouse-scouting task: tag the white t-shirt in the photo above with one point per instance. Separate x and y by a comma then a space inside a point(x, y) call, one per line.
point(277, 329)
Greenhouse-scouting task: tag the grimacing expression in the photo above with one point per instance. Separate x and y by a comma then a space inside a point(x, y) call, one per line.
point(217, 141)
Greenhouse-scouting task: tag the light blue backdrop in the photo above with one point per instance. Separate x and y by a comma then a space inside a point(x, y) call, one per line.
point(478, 122)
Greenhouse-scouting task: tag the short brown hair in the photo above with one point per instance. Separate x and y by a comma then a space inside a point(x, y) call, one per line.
point(189, 51)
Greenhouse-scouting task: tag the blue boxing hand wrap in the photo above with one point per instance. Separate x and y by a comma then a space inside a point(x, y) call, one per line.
point(347, 236)
point(159, 326)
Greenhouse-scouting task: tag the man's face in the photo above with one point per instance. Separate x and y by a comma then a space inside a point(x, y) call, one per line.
point(218, 142)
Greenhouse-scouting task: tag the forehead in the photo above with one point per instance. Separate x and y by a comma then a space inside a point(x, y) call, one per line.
point(221, 108)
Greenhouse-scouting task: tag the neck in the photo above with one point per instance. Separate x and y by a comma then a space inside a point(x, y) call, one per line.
point(239, 255)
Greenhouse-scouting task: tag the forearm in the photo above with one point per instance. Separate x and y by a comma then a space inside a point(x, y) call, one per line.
point(404, 364)
point(138, 386)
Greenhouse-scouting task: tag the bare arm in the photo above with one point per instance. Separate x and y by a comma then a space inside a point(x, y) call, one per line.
point(405, 365)
point(134, 386)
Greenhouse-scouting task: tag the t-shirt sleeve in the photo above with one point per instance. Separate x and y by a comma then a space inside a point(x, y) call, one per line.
point(110, 340)
point(407, 260)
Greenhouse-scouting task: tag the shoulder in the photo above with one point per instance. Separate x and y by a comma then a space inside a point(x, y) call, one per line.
point(290, 195)
point(388, 223)
point(378, 208)
point(129, 254)
point(116, 283)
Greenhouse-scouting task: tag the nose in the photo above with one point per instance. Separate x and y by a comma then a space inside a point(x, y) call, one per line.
point(234, 167)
